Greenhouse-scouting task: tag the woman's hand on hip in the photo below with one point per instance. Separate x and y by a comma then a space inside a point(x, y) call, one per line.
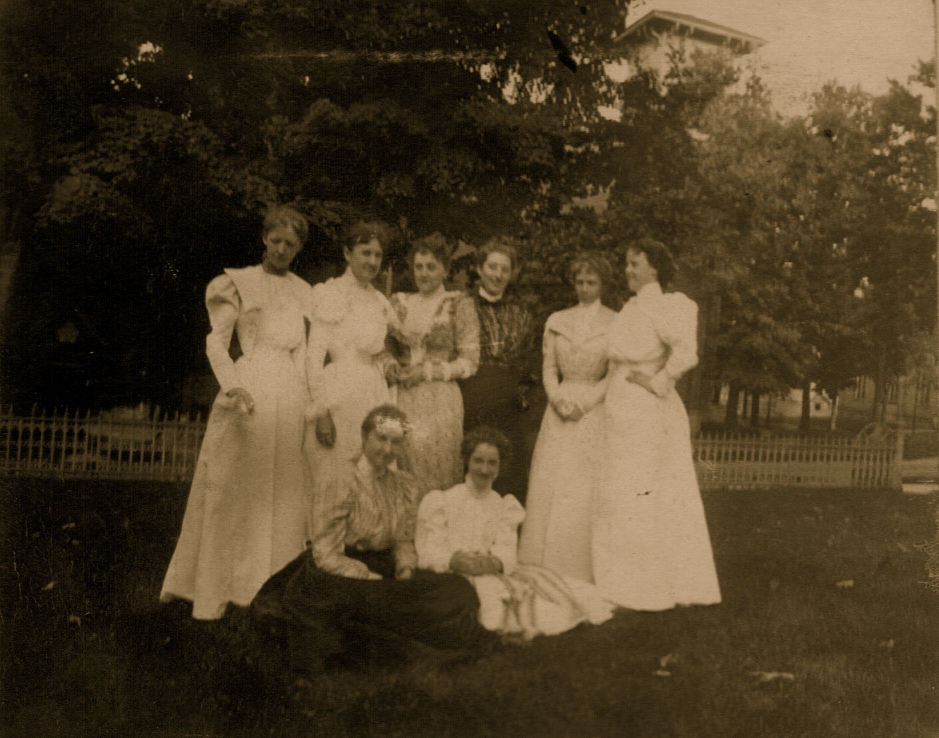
point(642, 379)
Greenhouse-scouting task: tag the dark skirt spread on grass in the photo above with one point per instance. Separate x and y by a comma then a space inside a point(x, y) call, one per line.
point(324, 613)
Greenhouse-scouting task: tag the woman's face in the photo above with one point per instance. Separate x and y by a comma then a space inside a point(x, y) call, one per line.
point(383, 443)
point(428, 273)
point(364, 260)
point(495, 273)
point(588, 286)
point(483, 465)
point(281, 245)
point(639, 272)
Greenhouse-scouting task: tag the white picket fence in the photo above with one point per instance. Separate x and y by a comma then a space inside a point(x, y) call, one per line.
point(120, 444)
point(751, 462)
point(132, 445)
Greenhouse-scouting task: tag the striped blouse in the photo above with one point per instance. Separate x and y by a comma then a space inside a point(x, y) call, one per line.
point(365, 509)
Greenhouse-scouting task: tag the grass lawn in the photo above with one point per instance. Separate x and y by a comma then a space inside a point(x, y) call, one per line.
point(826, 631)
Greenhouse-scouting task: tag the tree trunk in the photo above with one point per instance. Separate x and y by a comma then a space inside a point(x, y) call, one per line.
point(805, 421)
point(755, 410)
point(833, 423)
point(733, 398)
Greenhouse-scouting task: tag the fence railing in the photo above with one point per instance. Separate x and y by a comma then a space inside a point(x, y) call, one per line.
point(113, 445)
point(749, 462)
point(118, 445)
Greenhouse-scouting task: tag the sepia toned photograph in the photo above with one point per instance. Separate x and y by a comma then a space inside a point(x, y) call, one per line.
point(471, 368)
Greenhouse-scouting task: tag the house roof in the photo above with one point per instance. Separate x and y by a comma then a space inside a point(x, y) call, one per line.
point(662, 21)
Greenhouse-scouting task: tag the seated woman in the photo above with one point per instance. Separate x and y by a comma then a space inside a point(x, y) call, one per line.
point(360, 576)
point(470, 529)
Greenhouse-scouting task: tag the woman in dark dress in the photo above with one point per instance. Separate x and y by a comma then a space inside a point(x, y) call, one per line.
point(497, 394)
point(360, 577)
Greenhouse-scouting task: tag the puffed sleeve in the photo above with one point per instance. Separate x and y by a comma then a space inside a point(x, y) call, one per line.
point(505, 543)
point(432, 537)
point(332, 506)
point(466, 327)
point(223, 304)
point(326, 314)
point(676, 325)
point(549, 363)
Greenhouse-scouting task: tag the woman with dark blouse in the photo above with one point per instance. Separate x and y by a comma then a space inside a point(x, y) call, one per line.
point(496, 395)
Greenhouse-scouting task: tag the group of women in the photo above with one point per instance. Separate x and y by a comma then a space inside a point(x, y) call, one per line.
point(303, 446)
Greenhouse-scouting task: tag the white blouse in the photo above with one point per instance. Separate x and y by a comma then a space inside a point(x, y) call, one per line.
point(350, 322)
point(656, 333)
point(235, 302)
point(460, 519)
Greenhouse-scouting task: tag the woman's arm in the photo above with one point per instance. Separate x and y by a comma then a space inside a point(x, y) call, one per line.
point(223, 304)
point(431, 538)
point(677, 328)
point(505, 543)
point(466, 328)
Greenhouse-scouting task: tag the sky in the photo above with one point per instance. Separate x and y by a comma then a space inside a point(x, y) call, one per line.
point(812, 41)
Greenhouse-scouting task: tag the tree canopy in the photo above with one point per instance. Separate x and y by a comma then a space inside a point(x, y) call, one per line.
point(144, 141)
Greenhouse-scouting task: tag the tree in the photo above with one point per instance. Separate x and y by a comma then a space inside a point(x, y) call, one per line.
point(182, 122)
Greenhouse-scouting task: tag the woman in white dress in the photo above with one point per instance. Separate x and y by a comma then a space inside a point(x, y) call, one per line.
point(565, 467)
point(245, 515)
point(437, 335)
point(348, 369)
point(651, 548)
point(472, 530)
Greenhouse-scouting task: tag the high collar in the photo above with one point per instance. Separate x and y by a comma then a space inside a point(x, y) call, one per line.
point(588, 311)
point(365, 469)
point(648, 292)
point(437, 293)
point(473, 491)
point(268, 268)
point(489, 298)
point(349, 280)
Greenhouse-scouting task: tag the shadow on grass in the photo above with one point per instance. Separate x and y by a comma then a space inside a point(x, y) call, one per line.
point(825, 630)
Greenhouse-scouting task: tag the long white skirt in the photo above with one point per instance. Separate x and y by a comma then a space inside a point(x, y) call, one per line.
point(565, 475)
point(246, 514)
point(651, 548)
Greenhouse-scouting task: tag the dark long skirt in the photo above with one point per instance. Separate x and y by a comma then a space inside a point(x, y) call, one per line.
point(324, 615)
point(491, 397)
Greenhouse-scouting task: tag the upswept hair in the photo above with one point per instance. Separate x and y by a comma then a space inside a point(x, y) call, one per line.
point(658, 256)
point(286, 216)
point(383, 412)
point(591, 261)
point(499, 245)
point(364, 231)
point(490, 435)
point(436, 245)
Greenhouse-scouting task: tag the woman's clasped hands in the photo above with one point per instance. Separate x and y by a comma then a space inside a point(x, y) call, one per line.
point(242, 399)
point(568, 410)
point(474, 564)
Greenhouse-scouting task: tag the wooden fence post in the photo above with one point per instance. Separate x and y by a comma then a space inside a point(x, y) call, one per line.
point(896, 469)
